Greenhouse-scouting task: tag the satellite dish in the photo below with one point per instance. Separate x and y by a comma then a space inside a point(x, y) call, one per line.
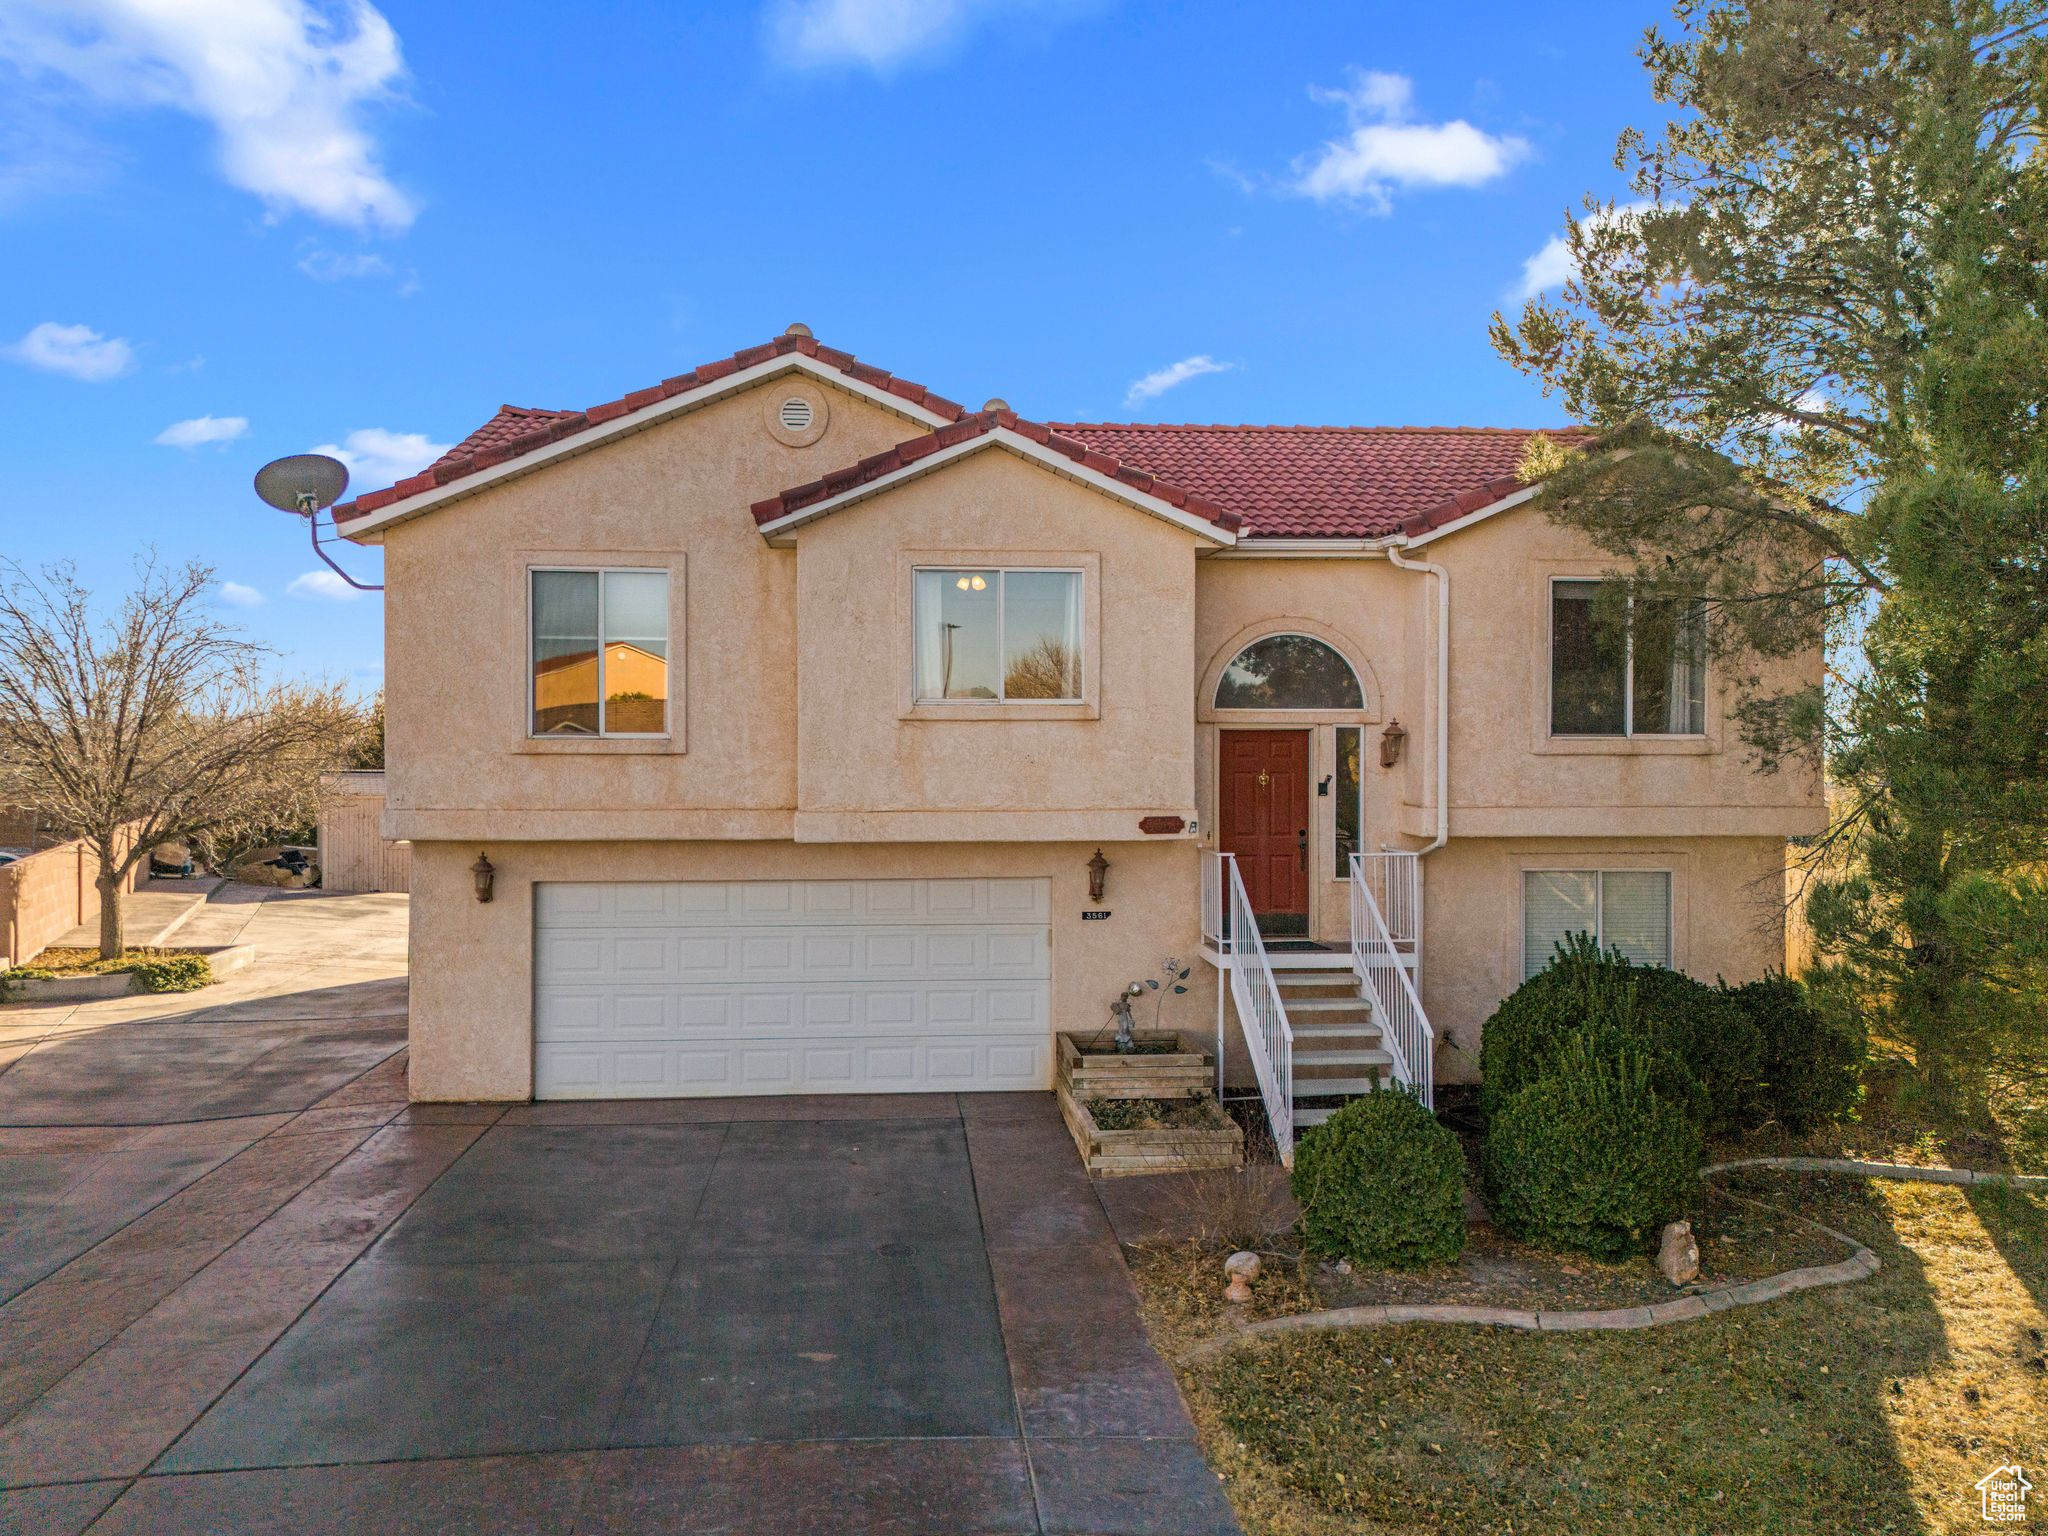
point(303, 483)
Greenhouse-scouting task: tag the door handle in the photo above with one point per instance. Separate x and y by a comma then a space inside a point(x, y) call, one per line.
point(1303, 835)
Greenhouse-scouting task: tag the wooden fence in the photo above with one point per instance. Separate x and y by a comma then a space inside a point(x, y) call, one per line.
point(354, 853)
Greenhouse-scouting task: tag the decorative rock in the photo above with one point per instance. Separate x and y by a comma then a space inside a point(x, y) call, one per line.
point(1679, 1254)
point(1240, 1269)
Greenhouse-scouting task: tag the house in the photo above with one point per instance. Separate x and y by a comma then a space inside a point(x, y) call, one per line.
point(759, 732)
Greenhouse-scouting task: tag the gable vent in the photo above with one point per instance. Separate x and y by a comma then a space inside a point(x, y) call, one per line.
point(795, 415)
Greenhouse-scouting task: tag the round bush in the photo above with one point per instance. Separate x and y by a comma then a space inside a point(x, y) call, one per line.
point(1536, 1021)
point(1590, 1157)
point(1811, 1068)
point(1382, 1183)
point(1704, 1052)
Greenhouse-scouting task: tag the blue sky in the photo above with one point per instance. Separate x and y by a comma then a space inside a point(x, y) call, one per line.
point(234, 229)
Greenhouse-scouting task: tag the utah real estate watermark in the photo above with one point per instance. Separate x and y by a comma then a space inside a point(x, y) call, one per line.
point(2004, 1491)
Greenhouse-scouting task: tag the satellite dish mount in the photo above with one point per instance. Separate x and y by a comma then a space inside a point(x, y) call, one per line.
point(306, 485)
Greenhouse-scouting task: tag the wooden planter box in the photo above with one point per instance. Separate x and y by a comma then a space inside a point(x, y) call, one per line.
point(1174, 1150)
point(1160, 1075)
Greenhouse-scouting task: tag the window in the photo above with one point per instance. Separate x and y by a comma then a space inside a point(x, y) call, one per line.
point(1350, 791)
point(1623, 666)
point(600, 653)
point(1289, 672)
point(998, 635)
point(1624, 909)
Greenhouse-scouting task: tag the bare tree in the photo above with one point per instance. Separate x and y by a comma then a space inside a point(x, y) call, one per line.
point(156, 724)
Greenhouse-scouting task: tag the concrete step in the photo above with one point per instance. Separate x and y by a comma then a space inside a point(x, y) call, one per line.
point(1332, 1087)
point(1360, 1058)
point(1333, 977)
point(1352, 1004)
point(1335, 1032)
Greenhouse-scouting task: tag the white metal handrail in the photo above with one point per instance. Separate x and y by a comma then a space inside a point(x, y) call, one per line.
point(1215, 926)
point(1395, 880)
point(1260, 1013)
point(1390, 990)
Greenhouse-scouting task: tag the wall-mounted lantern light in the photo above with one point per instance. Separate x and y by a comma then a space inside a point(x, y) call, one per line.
point(483, 872)
point(1098, 871)
point(1392, 740)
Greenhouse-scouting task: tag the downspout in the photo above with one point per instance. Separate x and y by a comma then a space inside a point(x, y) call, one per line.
point(1442, 747)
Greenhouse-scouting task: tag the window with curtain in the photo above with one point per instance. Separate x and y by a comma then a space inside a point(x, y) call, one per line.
point(1289, 672)
point(1624, 909)
point(999, 635)
point(1350, 789)
point(599, 650)
point(1626, 666)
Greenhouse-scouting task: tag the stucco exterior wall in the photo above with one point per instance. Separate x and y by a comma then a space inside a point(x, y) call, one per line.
point(1727, 918)
point(872, 763)
point(472, 970)
point(1510, 778)
point(674, 496)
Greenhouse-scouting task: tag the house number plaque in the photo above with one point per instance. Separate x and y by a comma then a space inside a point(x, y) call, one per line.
point(1101, 914)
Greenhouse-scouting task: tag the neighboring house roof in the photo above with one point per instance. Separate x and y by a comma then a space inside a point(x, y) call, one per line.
point(1327, 482)
point(502, 439)
point(801, 503)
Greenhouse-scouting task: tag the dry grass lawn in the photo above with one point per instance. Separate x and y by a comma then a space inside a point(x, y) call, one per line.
point(1862, 1409)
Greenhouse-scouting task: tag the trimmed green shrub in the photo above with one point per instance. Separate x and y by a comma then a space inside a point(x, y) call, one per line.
point(1545, 1013)
point(1812, 1069)
point(178, 973)
point(1589, 1156)
point(1703, 1052)
point(1382, 1183)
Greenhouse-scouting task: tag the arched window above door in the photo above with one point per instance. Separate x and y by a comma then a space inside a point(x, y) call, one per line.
point(1289, 672)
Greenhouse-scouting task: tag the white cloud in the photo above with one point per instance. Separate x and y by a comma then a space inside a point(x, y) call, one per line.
point(881, 34)
point(203, 429)
point(235, 595)
point(335, 266)
point(376, 457)
point(284, 84)
point(876, 33)
point(1552, 266)
point(321, 587)
point(77, 351)
point(1384, 150)
point(1160, 380)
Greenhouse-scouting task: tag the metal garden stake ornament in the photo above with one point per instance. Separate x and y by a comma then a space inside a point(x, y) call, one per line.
point(1171, 981)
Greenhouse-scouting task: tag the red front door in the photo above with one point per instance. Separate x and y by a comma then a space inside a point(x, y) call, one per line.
point(1263, 820)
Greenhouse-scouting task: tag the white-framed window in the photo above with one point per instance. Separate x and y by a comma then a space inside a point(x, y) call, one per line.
point(598, 652)
point(1348, 811)
point(1289, 671)
point(997, 634)
point(1624, 909)
point(1625, 666)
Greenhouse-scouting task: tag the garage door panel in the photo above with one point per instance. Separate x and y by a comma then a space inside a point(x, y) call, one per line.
point(929, 1064)
point(584, 1014)
point(776, 903)
point(645, 989)
point(854, 957)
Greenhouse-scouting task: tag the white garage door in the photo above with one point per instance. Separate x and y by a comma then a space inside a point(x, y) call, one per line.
point(791, 986)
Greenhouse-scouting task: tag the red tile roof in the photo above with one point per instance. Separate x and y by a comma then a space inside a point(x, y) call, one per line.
point(510, 424)
point(1327, 482)
point(903, 455)
point(504, 437)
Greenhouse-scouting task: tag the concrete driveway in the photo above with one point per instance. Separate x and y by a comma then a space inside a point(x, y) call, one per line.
point(292, 1303)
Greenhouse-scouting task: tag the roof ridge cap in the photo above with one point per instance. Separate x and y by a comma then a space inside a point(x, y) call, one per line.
point(1334, 427)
